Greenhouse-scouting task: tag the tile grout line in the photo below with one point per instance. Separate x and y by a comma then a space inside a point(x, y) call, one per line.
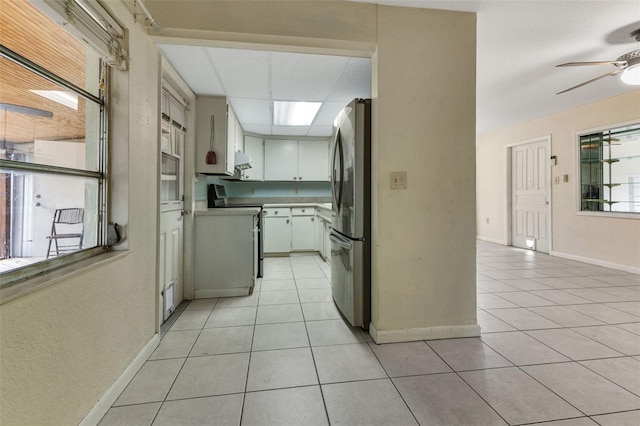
point(313, 357)
point(185, 359)
point(253, 334)
point(465, 382)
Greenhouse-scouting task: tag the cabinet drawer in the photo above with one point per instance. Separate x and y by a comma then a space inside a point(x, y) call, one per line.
point(303, 211)
point(277, 212)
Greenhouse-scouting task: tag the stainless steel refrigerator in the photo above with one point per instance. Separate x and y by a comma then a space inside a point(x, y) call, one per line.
point(351, 226)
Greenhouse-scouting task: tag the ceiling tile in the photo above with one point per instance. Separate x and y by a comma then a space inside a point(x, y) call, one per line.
point(355, 81)
point(194, 67)
point(252, 111)
point(244, 73)
point(298, 77)
point(329, 112)
point(320, 131)
point(257, 128)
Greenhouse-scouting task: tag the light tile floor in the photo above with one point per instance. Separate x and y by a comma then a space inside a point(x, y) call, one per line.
point(560, 345)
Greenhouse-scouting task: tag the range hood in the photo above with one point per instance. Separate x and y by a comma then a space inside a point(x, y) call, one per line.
point(243, 161)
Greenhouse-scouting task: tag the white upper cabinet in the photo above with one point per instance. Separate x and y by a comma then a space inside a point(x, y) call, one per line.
point(293, 160)
point(281, 159)
point(254, 147)
point(214, 134)
point(313, 160)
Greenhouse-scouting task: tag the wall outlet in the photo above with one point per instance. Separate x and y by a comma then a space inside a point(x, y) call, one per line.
point(556, 180)
point(252, 190)
point(565, 178)
point(398, 180)
point(296, 190)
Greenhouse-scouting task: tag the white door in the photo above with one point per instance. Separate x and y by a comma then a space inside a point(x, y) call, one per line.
point(51, 192)
point(277, 235)
point(530, 196)
point(170, 280)
point(312, 160)
point(303, 233)
point(281, 160)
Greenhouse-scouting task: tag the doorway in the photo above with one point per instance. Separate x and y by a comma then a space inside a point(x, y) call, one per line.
point(530, 194)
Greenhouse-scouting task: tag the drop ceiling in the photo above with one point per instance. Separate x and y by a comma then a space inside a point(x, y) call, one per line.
point(518, 45)
point(254, 79)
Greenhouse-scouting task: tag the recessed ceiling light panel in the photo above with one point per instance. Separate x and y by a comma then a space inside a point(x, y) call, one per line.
point(287, 113)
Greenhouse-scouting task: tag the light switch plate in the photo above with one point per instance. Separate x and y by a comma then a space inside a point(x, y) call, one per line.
point(398, 180)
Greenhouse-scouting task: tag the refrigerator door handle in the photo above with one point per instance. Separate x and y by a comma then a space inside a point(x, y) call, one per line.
point(340, 242)
point(337, 181)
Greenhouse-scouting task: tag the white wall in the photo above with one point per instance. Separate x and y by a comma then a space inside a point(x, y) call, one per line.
point(604, 240)
point(63, 347)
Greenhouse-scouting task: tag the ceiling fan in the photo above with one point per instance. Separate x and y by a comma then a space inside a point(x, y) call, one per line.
point(627, 67)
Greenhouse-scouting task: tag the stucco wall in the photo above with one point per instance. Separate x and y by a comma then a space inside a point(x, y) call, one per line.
point(614, 241)
point(62, 347)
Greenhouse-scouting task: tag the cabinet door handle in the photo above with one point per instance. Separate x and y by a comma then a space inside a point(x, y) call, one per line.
point(295, 178)
point(276, 212)
point(302, 210)
point(287, 220)
point(311, 219)
point(300, 177)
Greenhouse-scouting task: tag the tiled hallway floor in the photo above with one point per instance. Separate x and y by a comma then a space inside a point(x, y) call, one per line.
point(560, 344)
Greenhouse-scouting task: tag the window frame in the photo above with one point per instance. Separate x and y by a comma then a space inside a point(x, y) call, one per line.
point(18, 275)
point(578, 169)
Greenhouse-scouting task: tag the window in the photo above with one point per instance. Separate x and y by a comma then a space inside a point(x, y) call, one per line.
point(53, 144)
point(610, 170)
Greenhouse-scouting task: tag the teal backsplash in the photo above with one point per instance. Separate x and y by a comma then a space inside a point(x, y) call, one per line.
point(238, 189)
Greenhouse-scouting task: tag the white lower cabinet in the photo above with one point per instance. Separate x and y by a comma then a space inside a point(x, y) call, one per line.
point(303, 233)
point(277, 230)
point(327, 242)
point(296, 229)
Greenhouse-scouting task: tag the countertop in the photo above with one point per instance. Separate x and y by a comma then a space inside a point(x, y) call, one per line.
point(235, 211)
point(326, 206)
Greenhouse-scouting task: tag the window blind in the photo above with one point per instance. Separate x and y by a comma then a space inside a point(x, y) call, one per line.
point(90, 22)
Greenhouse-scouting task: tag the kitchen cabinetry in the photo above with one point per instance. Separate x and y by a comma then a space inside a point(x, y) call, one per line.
point(297, 228)
point(214, 131)
point(303, 233)
point(225, 252)
point(323, 228)
point(254, 147)
point(296, 160)
point(313, 160)
point(277, 230)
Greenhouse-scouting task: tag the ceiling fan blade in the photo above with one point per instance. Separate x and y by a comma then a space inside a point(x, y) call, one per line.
point(582, 64)
point(612, 73)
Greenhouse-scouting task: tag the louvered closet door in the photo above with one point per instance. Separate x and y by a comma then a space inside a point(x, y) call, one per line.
point(529, 196)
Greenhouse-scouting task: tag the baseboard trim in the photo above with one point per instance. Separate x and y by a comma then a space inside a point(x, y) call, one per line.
point(100, 409)
point(597, 262)
point(491, 240)
point(424, 333)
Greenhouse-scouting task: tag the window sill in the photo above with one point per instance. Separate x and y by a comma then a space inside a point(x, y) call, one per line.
point(613, 215)
point(27, 286)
